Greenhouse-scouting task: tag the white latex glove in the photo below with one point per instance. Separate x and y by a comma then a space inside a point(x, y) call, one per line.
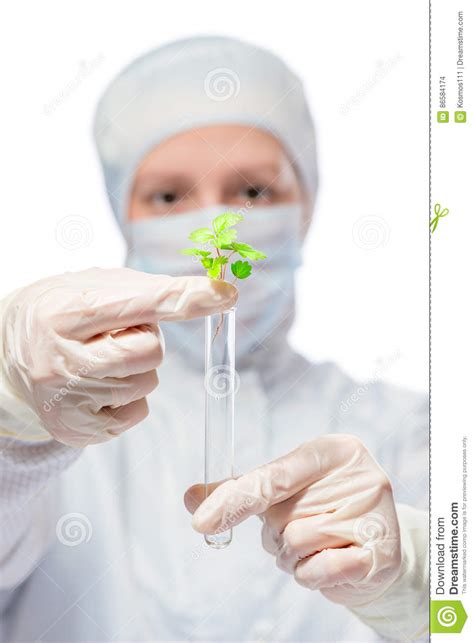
point(328, 513)
point(80, 349)
point(402, 612)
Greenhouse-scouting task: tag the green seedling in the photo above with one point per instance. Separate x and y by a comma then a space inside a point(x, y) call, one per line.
point(219, 245)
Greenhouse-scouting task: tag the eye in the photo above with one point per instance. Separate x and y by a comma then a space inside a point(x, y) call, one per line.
point(164, 197)
point(255, 192)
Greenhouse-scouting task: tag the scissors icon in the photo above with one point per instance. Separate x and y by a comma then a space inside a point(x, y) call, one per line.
point(439, 214)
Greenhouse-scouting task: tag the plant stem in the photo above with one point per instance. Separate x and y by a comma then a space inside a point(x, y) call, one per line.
point(226, 264)
point(222, 276)
point(218, 327)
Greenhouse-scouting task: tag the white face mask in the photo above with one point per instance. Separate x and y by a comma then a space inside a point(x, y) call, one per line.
point(265, 307)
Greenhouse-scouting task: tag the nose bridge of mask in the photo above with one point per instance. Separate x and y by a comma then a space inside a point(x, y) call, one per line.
point(274, 230)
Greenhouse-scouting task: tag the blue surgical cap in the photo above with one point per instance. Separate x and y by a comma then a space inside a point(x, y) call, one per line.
point(199, 82)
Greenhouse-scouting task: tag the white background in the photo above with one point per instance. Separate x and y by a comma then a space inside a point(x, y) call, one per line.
point(365, 69)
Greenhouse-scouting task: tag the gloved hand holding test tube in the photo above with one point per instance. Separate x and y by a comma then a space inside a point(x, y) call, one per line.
point(220, 375)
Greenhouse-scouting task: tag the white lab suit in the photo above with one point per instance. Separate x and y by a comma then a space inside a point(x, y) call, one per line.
point(141, 573)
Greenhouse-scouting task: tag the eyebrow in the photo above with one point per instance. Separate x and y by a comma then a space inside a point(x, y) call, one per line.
point(253, 173)
point(255, 168)
point(161, 177)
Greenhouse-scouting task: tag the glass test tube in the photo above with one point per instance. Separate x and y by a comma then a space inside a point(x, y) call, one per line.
point(220, 379)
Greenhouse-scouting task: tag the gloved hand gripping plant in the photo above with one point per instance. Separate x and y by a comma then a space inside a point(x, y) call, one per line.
point(217, 248)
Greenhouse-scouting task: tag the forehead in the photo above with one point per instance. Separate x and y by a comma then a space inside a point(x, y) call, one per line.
point(215, 146)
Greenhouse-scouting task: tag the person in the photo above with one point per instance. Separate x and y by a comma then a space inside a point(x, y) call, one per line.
point(96, 543)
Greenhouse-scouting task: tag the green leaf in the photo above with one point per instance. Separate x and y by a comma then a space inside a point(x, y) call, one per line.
point(214, 266)
point(214, 272)
point(196, 252)
point(241, 269)
point(221, 260)
point(206, 262)
point(247, 251)
point(226, 220)
point(224, 238)
point(202, 235)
